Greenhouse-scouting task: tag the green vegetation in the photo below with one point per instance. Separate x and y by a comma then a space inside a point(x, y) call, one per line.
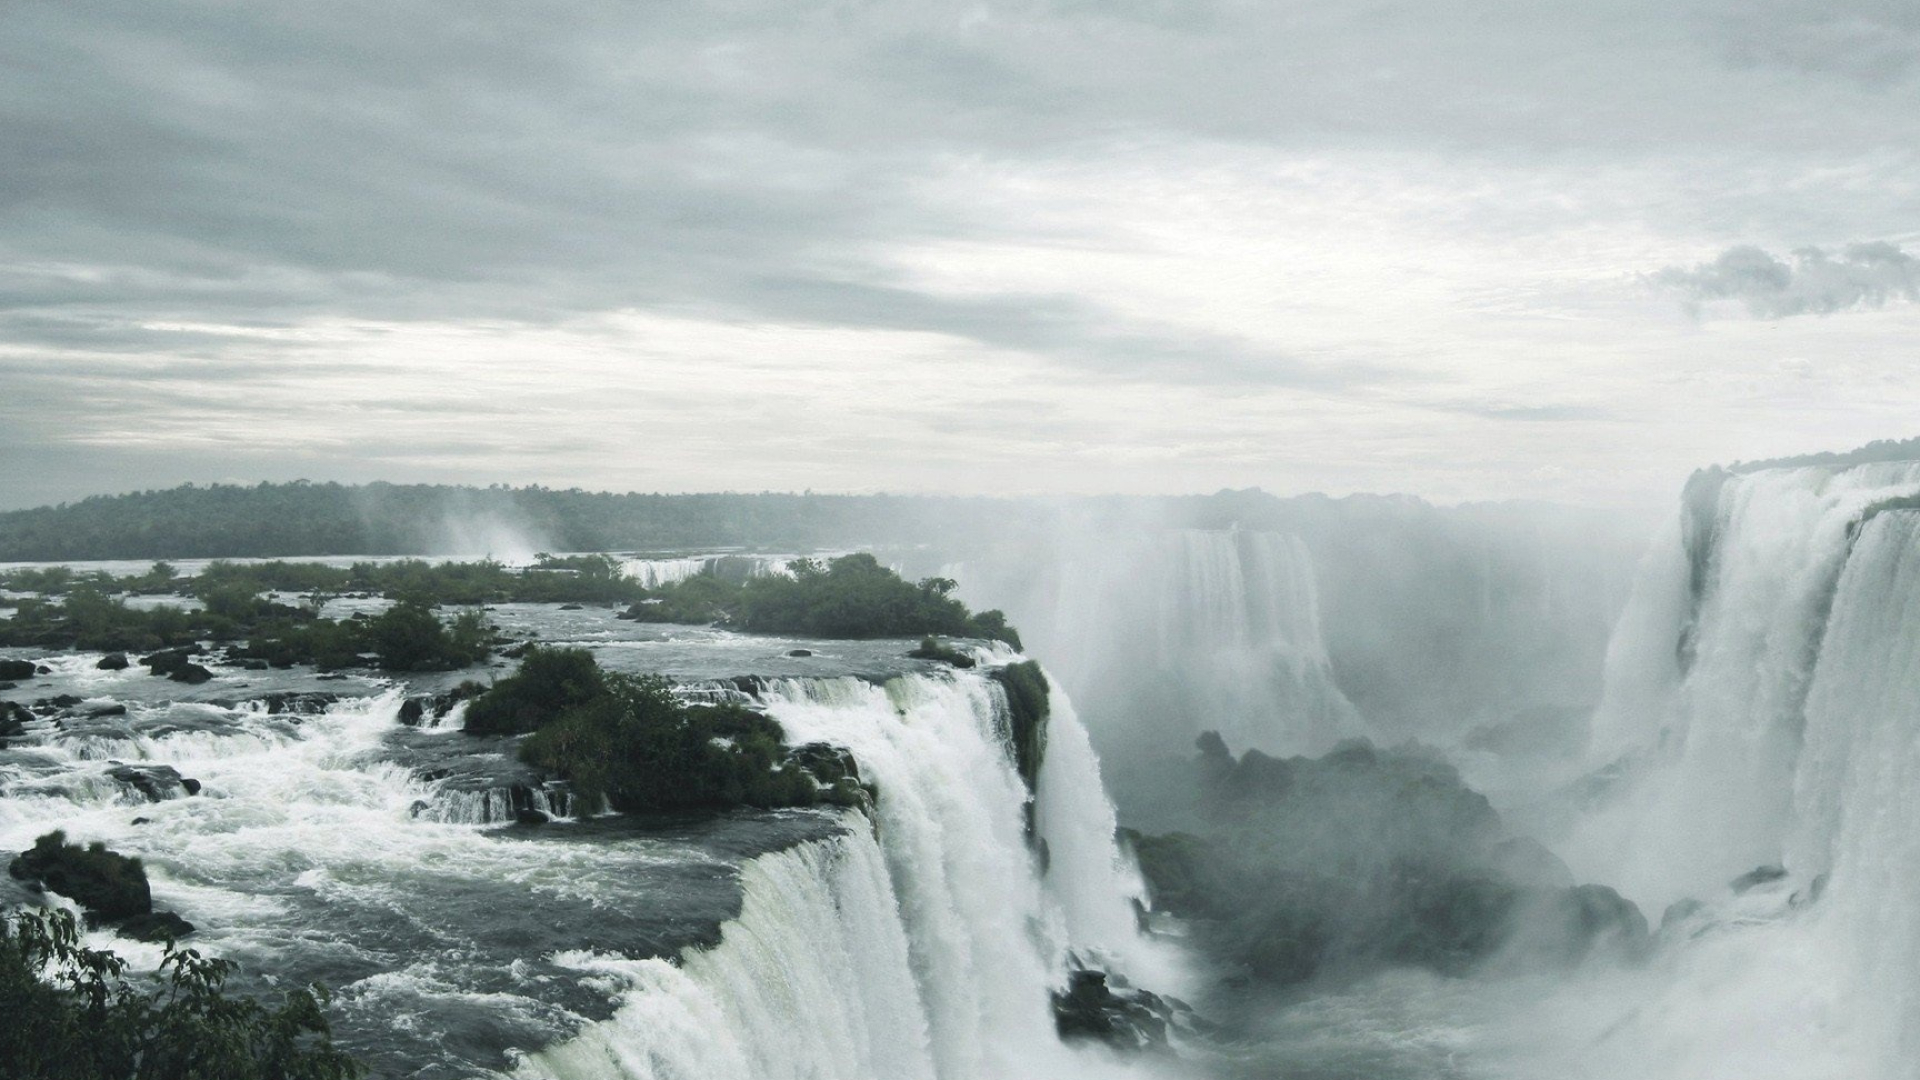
point(70, 1013)
point(630, 740)
point(853, 596)
point(549, 682)
point(296, 519)
point(407, 637)
point(109, 885)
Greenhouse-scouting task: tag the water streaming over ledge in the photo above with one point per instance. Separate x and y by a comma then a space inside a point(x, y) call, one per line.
point(338, 844)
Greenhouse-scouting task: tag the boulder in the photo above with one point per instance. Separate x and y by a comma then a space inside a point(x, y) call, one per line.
point(113, 662)
point(191, 674)
point(530, 816)
point(16, 670)
point(167, 661)
point(157, 783)
point(1123, 1018)
point(109, 885)
point(800, 652)
point(158, 926)
point(412, 711)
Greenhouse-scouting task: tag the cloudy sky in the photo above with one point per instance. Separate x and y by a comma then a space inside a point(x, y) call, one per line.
point(1470, 249)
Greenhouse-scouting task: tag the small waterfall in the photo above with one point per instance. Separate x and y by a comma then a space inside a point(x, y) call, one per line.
point(497, 805)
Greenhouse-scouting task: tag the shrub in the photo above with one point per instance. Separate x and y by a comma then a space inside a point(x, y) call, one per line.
point(642, 749)
point(70, 1014)
point(549, 682)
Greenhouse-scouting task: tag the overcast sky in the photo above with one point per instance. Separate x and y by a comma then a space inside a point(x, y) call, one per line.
point(1469, 249)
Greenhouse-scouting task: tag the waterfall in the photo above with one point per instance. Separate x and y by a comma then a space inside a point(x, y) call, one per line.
point(922, 943)
point(1163, 634)
point(1709, 676)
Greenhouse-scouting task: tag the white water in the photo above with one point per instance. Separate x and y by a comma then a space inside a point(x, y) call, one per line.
point(1721, 741)
point(925, 946)
point(1793, 739)
point(1165, 634)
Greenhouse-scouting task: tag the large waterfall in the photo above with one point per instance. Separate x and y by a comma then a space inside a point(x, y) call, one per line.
point(1166, 633)
point(1709, 676)
point(1760, 711)
point(924, 943)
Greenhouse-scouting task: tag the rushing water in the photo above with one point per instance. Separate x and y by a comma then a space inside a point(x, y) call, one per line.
point(331, 842)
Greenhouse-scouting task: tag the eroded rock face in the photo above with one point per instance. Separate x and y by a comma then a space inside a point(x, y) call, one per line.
point(1367, 857)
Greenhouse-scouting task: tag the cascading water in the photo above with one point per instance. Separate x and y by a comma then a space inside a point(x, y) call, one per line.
point(923, 944)
point(1708, 679)
point(1166, 633)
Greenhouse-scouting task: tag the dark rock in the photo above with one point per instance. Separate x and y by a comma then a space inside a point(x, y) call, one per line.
point(255, 665)
point(800, 652)
point(57, 702)
point(141, 821)
point(43, 670)
point(113, 662)
point(15, 670)
point(571, 607)
point(110, 886)
point(412, 711)
point(1566, 926)
point(530, 816)
point(100, 711)
point(191, 674)
point(1756, 877)
point(157, 783)
point(1126, 1019)
point(158, 926)
point(297, 703)
point(167, 661)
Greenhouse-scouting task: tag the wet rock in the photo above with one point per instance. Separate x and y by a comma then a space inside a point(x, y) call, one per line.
point(113, 662)
point(1756, 877)
point(800, 652)
point(43, 670)
point(109, 885)
point(141, 821)
point(297, 703)
point(158, 926)
point(168, 661)
point(99, 711)
point(571, 607)
point(412, 711)
point(191, 674)
point(1126, 1019)
point(156, 783)
point(15, 670)
point(531, 816)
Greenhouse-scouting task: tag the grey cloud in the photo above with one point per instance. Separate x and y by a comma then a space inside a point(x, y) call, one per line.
point(1809, 281)
point(1874, 42)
